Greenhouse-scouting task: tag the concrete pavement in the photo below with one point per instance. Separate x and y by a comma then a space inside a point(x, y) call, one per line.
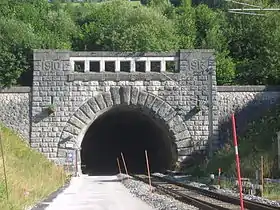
point(97, 193)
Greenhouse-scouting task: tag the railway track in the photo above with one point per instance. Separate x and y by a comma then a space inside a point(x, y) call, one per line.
point(198, 197)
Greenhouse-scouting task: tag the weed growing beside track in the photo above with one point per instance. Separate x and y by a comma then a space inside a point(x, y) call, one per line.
point(30, 176)
point(260, 139)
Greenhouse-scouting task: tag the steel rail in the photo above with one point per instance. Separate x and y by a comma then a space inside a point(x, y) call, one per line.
point(179, 194)
point(251, 205)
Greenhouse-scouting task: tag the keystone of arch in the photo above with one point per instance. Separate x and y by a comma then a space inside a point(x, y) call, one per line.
point(78, 124)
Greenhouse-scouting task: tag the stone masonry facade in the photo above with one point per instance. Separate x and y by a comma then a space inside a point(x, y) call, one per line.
point(15, 105)
point(243, 100)
point(249, 103)
point(80, 97)
point(180, 99)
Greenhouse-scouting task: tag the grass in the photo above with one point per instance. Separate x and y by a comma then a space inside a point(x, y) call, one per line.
point(30, 176)
point(259, 140)
point(272, 191)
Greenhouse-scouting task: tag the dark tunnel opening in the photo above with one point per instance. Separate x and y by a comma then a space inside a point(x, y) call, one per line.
point(131, 131)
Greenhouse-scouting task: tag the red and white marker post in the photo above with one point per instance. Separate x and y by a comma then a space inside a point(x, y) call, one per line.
point(237, 161)
point(219, 176)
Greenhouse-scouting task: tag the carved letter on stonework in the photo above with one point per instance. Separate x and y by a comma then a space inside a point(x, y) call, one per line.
point(56, 65)
point(197, 65)
point(47, 65)
point(37, 65)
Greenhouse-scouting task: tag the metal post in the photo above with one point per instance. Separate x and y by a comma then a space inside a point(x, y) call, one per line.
point(262, 175)
point(278, 152)
point(210, 113)
point(237, 161)
point(119, 166)
point(124, 164)
point(4, 167)
point(76, 160)
point(148, 169)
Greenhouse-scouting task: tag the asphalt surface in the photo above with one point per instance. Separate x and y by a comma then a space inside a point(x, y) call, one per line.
point(95, 193)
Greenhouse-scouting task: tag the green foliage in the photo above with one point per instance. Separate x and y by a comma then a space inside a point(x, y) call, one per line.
point(254, 46)
point(126, 28)
point(210, 35)
point(259, 140)
point(247, 47)
point(27, 26)
point(30, 175)
point(16, 38)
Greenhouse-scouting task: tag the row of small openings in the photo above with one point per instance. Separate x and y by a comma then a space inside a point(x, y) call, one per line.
point(110, 66)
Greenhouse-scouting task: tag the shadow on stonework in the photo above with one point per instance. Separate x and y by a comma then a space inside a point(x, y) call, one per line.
point(195, 158)
point(253, 111)
point(40, 116)
point(62, 142)
point(191, 113)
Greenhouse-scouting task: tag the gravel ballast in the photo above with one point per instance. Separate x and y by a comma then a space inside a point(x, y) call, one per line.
point(154, 199)
point(222, 191)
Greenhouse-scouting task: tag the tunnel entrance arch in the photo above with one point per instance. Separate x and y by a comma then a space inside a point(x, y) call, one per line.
point(128, 103)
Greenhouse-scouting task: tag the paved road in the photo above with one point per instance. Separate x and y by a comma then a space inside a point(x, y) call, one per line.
point(97, 193)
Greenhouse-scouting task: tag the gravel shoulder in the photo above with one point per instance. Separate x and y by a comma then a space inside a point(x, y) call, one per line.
point(154, 199)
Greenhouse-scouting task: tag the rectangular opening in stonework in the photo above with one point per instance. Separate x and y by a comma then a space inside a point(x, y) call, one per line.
point(110, 66)
point(170, 66)
point(94, 66)
point(125, 66)
point(140, 66)
point(79, 66)
point(155, 66)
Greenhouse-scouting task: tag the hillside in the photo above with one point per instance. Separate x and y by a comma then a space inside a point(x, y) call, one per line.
point(31, 177)
point(259, 140)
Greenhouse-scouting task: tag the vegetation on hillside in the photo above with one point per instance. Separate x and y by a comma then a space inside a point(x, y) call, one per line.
point(247, 47)
point(30, 176)
point(259, 140)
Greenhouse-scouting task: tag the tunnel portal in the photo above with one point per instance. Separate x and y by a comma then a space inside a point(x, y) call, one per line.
point(129, 130)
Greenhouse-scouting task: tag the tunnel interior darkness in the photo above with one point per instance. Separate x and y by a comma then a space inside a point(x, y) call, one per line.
point(129, 130)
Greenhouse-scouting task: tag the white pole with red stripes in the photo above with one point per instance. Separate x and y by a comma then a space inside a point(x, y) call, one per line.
point(237, 161)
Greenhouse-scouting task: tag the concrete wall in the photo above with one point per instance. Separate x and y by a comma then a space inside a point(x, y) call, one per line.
point(15, 109)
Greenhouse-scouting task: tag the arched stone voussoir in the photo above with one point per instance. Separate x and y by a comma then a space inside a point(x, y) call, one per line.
point(72, 129)
point(142, 97)
point(76, 122)
point(134, 95)
point(177, 124)
point(157, 104)
point(159, 109)
point(150, 101)
point(86, 109)
point(97, 103)
point(164, 110)
point(125, 94)
point(170, 114)
point(183, 143)
point(185, 134)
point(66, 136)
point(115, 95)
point(82, 116)
point(93, 105)
point(107, 96)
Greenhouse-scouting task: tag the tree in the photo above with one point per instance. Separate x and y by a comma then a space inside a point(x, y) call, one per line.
point(210, 34)
point(254, 45)
point(27, 26)
point(117, 25)
point(16, 38)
